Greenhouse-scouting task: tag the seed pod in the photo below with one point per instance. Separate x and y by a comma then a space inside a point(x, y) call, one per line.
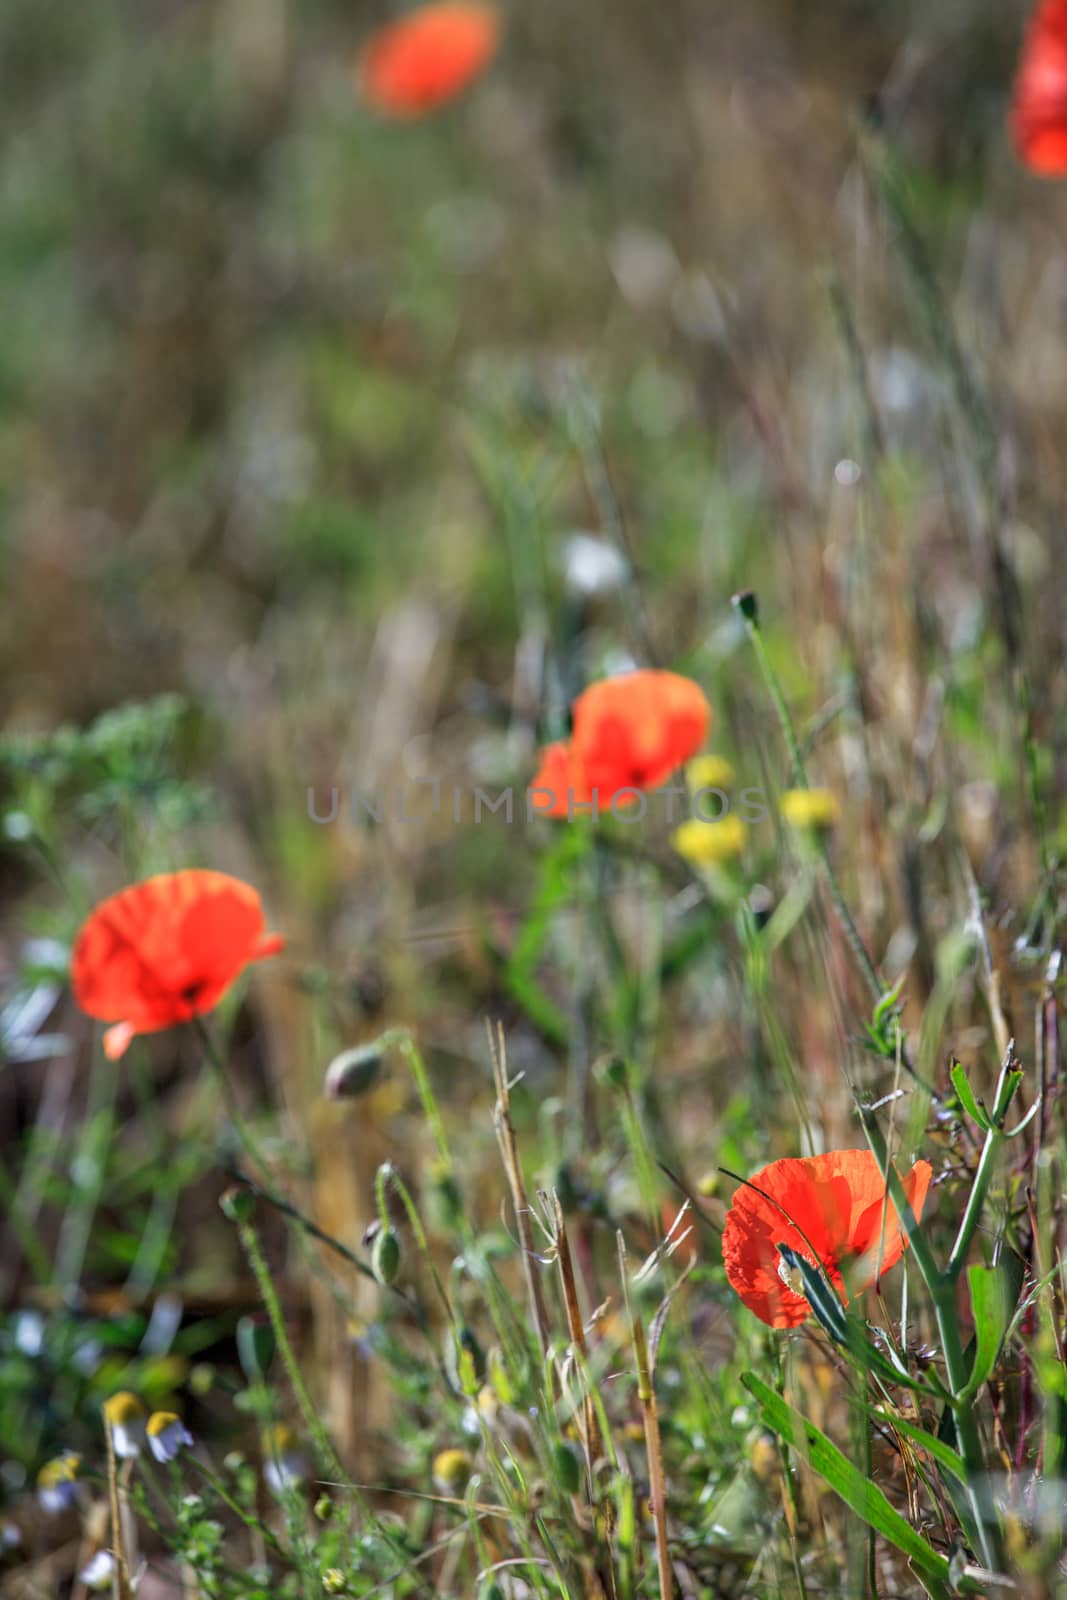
point(353, 1072)
point(613, 1071)
point(385, 1257)
point(237, 1203)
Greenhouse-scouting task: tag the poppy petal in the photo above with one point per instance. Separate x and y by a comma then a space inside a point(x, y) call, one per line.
point(828, 1208)
point(166, 949)
point(412, 66)
point(633, 731)
point(117, 1040)
point(1039, 98)
point(560, 778)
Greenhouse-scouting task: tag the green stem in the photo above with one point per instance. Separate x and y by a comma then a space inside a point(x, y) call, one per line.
point(218, 1067)
point(387, 1173)
point(24, 1230)
point(942, 1289)
point(746, 604)
point(981, 1502)
point(329, 1460)
point(1007, 1083)
point(414, 1059)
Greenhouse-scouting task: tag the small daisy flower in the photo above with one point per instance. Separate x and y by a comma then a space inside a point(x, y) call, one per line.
point(167, 1434)
point(451, 1470)
point(284, 1467)
point(125, 1417)
point(10, 1536)
point(816, 809)
point(709, 844)
point(99, 1571)
point(57, 1483)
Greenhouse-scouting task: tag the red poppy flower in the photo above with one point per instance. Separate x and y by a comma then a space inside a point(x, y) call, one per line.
point(1039, 100)
point(629, 733)
point(559, 778)
point(412, 66)
point(832, 1210)
point(166, 950)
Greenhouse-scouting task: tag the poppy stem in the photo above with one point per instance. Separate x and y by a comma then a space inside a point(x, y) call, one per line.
point(747, 606)
point(646, 1394)
point(942, 1287)
point(329, 1461)
point(1007, 1083)
point(218, 1066)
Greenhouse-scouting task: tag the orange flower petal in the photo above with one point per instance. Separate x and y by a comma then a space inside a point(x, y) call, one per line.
point(630, 734)
point(559, 784)
point(165, 950)
point(412, 66)
point(117, 1040)
point(633, 731)
point(828, 1208)
point(1039, 98)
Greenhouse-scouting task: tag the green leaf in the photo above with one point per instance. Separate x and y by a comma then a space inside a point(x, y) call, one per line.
point(847, 1332)
point(994, 1292)
point(553, 893)
point(966, 1097)
point(819, 1294)
point(846, 1480)
point(942, 1453)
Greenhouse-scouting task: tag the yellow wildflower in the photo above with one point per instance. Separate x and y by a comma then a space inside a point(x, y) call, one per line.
point(708, 844)
point(810, 808)
point(708, 772)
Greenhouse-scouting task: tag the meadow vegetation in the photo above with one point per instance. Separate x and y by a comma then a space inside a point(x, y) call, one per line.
point(445, 1251)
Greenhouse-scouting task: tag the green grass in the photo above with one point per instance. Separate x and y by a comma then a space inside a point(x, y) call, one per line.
point(298, 411)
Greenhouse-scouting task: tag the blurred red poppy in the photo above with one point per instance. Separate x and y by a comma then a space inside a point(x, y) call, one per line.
point(629, 734)
point(412, 66)
point(560, 780)
point(1039, 100)
point(165, 950)
point(832, 1210)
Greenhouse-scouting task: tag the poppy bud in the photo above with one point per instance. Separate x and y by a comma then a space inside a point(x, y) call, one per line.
point(255, 1347)
point(323, 1508)
point(385, 1256)
point(353, 1072)
point(748, 605)
point(568, 1467)
point(237, 1203)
